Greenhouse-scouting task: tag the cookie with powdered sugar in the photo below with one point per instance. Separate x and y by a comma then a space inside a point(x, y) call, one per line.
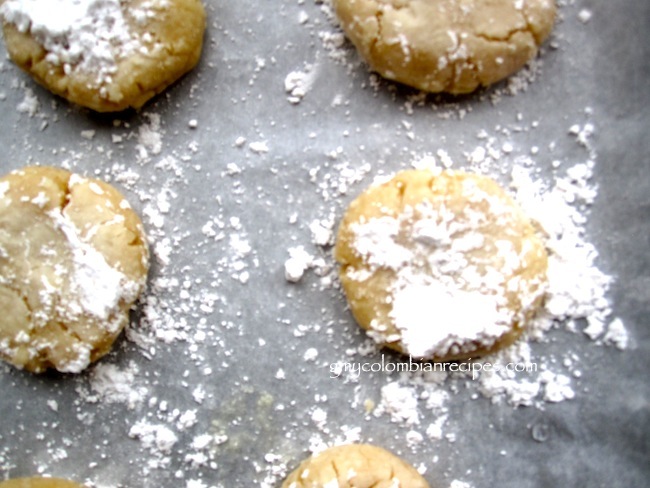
point(440, 265)
point(452, 46)
point(73, 260)
point(107, 55)
point(355, 465)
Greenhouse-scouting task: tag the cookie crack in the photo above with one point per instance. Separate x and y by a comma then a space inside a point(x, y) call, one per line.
point(379, 17)
point(68, 331)
point(336, 470)
point(27, 305)
point(380, 13)
point(399, 4)
point(539, 39)
point(67, 196)
point(401, 194)
point(509, 35)
point(459, 66)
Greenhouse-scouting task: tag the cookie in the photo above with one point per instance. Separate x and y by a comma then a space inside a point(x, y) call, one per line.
point(441, 266)
point(37, 482)
point(107, 55)
point(73, 260)
point(355, 465)
point(452, 46)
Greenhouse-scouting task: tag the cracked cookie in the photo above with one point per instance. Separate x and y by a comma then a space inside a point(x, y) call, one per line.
point(440, 265)
point(107, 55)
point(452, 46)
point(355, 465)
point(38, 482)
point(73, 260)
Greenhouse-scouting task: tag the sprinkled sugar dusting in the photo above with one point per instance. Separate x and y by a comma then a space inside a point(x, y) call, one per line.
point(464, 317)
point(86, 35)
point(100, 287)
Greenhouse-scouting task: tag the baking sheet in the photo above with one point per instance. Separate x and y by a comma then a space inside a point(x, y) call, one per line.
point(223, 378)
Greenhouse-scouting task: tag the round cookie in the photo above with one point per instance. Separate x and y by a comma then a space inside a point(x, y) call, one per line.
point(441, 266)
point(451, 46)
point(107, 55)
point(38, 482)
point(73, 260)
point(355, 466)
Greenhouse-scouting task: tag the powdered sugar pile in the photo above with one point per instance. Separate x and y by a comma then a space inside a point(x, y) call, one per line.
point(298, 83)
point(467, 317)
point(111, 384)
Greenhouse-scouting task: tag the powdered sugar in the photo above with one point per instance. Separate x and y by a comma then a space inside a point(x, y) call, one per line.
point(298, 83)
point(100, 287)
point(298, 262)
point(400, 403)
point(617, 334)
point(111, 384)
point(577, 287)
point(86, 35)
point(376, 240)
point(467, 316)
point(158, 439)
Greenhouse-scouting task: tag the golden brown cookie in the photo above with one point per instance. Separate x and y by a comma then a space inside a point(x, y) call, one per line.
point(73, 260)
point(107, 55)
point(451, 46)
point(38, 482)
point(355, 466)
point(441, 266)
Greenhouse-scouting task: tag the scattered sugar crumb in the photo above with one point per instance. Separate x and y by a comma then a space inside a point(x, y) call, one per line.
point(298, 83)
point(259, 147)
point(584, 15)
